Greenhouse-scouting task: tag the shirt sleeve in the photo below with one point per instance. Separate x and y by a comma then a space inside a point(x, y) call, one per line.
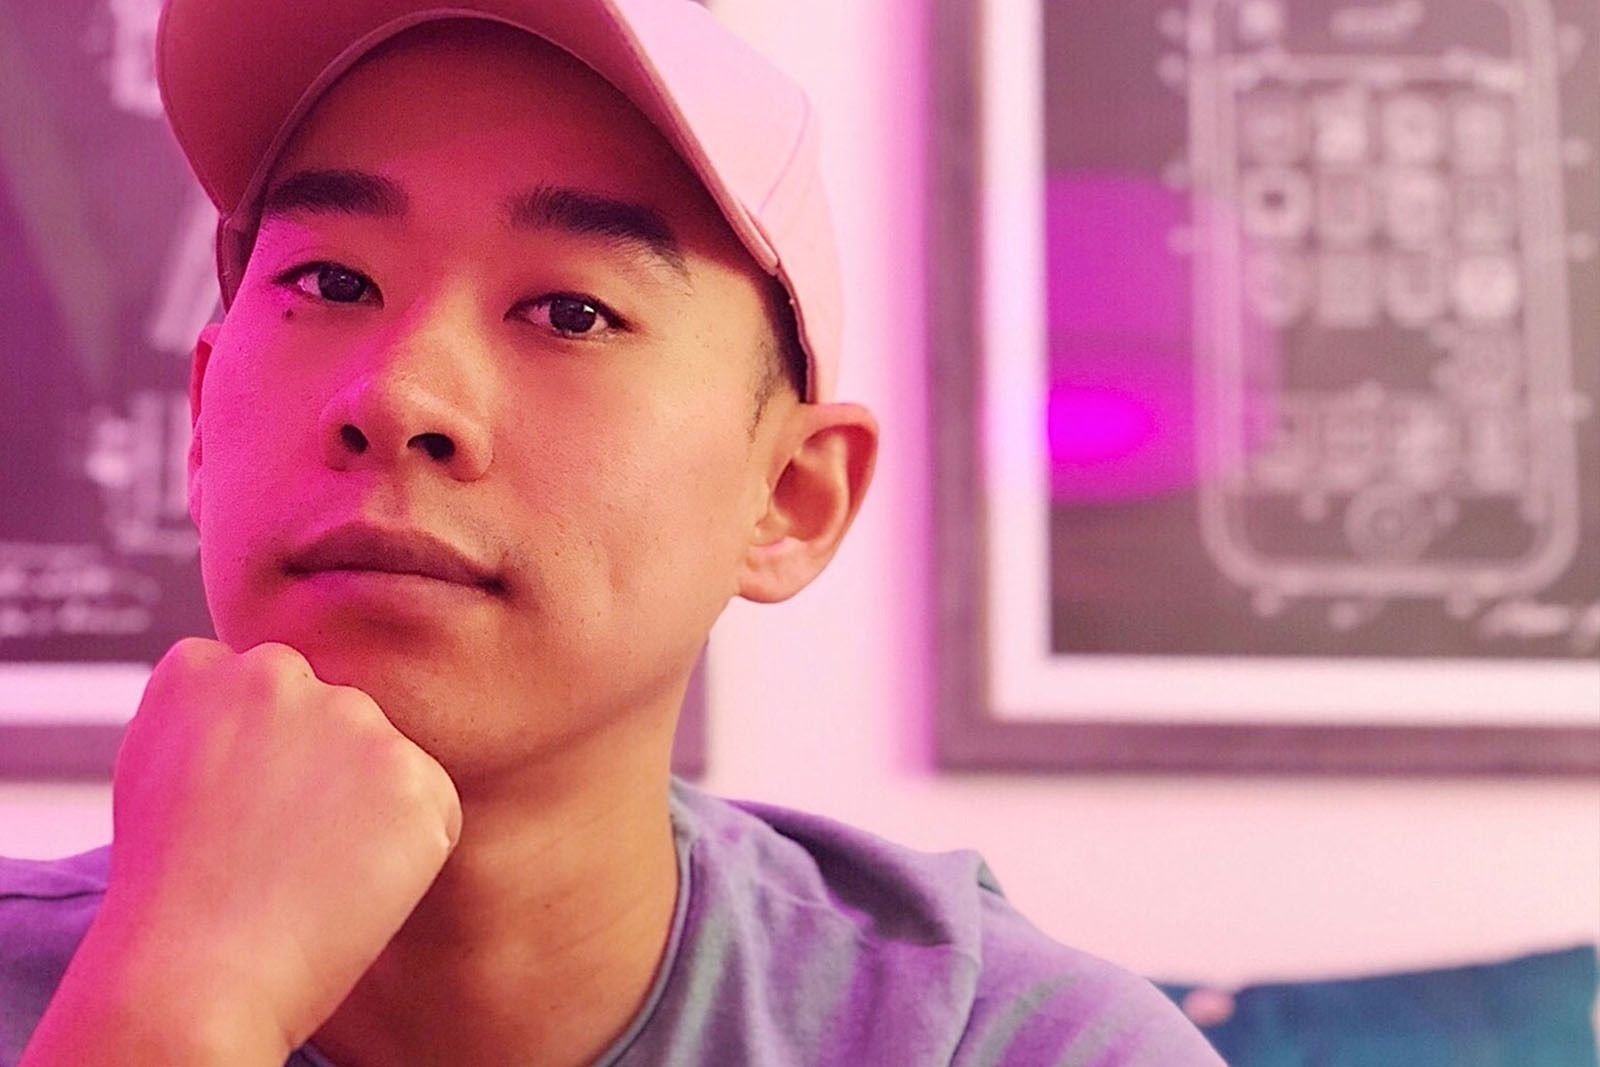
point(1040, 1004)
point(45, 908)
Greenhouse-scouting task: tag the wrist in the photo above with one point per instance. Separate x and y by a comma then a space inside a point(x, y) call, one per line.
point(134, 996)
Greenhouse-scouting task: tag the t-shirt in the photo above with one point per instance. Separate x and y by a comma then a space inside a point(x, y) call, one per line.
point(796, 941)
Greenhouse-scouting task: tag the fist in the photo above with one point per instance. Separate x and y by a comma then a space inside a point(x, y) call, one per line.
point(272, 833)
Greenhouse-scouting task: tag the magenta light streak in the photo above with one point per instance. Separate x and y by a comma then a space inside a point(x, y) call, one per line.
point(1091, 425)
point(1120, 409)
point(1119, 424)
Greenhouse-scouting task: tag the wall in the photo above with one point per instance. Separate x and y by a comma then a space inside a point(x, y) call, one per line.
point(824, 703)
point(1216, 878)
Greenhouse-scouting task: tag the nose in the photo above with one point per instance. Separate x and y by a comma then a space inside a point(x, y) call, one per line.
point(415, 401)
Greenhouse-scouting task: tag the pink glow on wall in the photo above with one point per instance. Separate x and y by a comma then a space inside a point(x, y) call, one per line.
point(1121, 410)
point(1120, 415)
point(1090, 425)
point(1120, 425)
point(1113, 267)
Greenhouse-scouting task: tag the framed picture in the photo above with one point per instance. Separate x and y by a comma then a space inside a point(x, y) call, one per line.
point(1266, 404)
point(105, 237)
point(106, 247)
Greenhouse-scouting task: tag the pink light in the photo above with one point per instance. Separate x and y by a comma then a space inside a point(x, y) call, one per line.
point(1092, 425)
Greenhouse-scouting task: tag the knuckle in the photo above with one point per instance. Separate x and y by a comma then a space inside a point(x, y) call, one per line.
point(175, 675)
point(408, 794)
point(271, 672)
point(408, 763)
point(189, 653)
point(275, 657)
point(354, 703)
point(415, 775)
point(354, 716)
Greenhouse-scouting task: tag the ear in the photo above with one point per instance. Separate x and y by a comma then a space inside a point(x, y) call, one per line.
point(197, 376)
point(820, 472)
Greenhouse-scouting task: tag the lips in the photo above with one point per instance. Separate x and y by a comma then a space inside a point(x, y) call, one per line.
point(362, 548)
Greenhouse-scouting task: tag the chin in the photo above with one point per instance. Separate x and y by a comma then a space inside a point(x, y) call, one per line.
point(459, 714)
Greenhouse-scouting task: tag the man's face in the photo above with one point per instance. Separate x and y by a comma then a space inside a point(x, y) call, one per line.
point(488, 308)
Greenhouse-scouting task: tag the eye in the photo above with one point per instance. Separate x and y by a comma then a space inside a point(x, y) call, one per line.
point(569, 315)
point(331, 282)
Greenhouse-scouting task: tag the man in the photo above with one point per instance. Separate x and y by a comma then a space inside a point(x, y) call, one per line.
point(526, 369)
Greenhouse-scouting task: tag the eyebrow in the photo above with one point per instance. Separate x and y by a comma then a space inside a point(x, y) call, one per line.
point(633, 226)
point(349, 192)
point(588, 214)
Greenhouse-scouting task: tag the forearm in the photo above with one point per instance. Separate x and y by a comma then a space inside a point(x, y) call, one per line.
point(129, 1000)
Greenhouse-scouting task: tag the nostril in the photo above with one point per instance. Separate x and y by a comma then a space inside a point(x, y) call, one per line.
point(437, 445)
point(353, 438)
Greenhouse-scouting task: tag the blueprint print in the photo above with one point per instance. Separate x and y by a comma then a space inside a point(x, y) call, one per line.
point(1324, 327)
point(105, 243)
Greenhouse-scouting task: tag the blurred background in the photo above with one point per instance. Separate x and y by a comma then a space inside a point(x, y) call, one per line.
point(828, 703)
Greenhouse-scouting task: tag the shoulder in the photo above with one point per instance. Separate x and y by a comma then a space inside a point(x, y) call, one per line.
point(56, 879)
point(1040, 1002)
point(889, 893)
point(873, 949)
point(45, 907)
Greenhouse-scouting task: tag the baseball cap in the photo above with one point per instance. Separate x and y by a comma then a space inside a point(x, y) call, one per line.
point(237, 77)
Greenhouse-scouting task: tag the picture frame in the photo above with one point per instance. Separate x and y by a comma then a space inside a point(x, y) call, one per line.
point(1087, 285)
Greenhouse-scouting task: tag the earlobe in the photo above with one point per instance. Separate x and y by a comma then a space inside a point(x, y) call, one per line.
point(197, 374)
point(826, 466)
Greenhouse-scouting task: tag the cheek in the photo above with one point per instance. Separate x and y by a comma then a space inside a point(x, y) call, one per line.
point(254, 431)
point(694, 496)
point(659, 494)
point(257, 450)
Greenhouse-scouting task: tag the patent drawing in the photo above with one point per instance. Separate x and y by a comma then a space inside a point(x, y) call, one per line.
point(1383, 363)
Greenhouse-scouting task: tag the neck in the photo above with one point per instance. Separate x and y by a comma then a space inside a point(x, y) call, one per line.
point(542, 935)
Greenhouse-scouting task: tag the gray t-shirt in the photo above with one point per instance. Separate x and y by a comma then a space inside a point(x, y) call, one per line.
point(796, 941)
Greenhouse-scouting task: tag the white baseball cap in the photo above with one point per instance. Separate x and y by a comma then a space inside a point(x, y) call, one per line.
point(237, 77)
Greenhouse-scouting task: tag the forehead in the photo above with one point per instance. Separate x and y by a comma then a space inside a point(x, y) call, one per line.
point(469, 112)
